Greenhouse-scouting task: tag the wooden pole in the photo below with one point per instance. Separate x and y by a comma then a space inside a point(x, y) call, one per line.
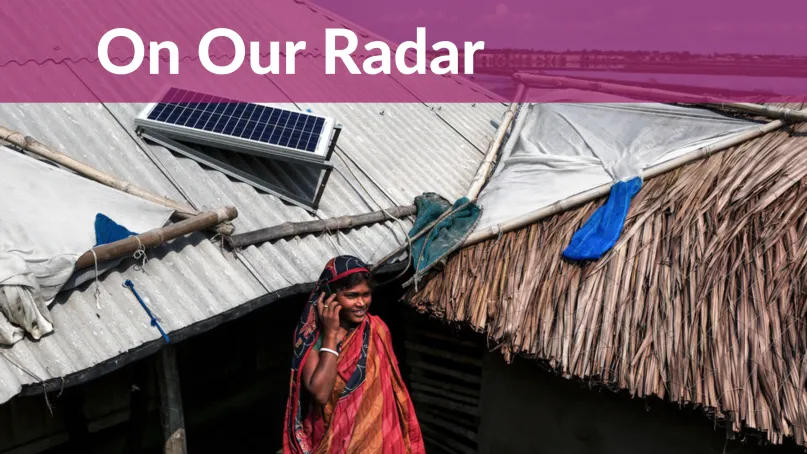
point(32, 145)
point(486, 166)
point(301, 228)
point(654, 93)
point(479, 180)
point(603, 190)
point(156, 237)
point(171, 412)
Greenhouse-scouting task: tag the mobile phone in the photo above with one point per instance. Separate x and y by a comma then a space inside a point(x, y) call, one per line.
point(327, 291)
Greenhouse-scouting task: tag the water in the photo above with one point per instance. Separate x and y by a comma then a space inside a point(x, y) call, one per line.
point(501, 85)
point(788, 86)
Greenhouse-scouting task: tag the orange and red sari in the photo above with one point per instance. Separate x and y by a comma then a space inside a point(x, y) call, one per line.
point(370, 410)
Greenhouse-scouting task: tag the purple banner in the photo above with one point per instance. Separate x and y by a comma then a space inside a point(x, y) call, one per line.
point(418, 51)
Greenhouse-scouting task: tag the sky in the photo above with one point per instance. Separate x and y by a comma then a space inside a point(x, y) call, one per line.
point(701, 26)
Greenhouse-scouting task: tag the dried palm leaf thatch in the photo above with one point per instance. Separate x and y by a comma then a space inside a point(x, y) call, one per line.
point(701, 301)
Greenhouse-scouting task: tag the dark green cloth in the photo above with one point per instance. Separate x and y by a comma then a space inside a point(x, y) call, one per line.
point(447, 235)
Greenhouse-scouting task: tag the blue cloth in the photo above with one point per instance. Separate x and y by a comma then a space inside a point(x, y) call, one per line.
point(109, 231)
point(446, 236)
point(601, 232)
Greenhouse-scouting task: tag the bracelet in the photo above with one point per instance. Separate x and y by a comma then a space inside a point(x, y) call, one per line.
point(329, 351)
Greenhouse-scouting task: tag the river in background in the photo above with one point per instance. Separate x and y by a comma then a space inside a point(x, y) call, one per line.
point(793, 86)
point(501, 85)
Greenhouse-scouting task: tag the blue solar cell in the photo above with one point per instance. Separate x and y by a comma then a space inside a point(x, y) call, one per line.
point(184, 116)
point(156, 111)
point(275, 135)
point(239, 110)
point(238, 119)
point(312, 144)
point(201, 120)
point(265, 113)
point(166, 112)
point(228, 108)
point(173, 116)
point(210, 125)
point(240, 127)
point(228, 128)
point(302, 140)
point(256, 133)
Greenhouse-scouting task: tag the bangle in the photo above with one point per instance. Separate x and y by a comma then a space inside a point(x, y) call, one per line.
point(329, 351)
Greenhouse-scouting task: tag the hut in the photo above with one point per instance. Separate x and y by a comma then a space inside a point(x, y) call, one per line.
point(105, 377)
point(699, 302)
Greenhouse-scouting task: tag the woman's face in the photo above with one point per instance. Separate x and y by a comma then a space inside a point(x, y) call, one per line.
point(355, 302)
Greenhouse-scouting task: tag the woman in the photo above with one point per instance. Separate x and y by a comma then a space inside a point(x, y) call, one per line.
point(344, 366)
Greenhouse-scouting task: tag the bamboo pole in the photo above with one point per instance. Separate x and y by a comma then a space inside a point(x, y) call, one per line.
point(603, 190)
point(300, 228)
point(32, 145)
point(486, 166)
point(779, 113)
point(479, 180)
point(181, 211)
point(156, 237)
point(641, 92)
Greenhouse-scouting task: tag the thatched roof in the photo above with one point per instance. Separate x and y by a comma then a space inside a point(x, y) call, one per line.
point(700, 302)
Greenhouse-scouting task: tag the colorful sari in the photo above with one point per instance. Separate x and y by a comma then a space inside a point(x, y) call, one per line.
point(370, 410)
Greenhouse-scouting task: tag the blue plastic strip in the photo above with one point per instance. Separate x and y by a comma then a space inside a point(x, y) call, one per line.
point(154, 321)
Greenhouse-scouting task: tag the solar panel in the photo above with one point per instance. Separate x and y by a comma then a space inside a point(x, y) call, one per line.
point(239, 126)
point(292, 148)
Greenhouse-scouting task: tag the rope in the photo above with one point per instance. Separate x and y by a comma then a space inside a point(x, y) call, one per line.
point(139, 254)
point(398, 221)
point(34, 376)
point(97, 284)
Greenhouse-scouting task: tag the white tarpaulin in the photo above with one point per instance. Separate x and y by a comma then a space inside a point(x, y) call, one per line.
point(557, 150)
point(47, 222)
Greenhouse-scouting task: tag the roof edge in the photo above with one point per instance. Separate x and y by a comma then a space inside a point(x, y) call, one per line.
point(149, 348)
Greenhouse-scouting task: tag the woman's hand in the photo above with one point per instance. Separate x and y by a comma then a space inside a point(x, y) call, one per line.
point(329, 315)
point(319, 372)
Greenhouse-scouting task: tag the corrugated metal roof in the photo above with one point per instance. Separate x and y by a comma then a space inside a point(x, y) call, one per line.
point(387, 154)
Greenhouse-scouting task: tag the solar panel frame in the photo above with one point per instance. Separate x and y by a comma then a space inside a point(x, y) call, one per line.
point(310, 203)
point(230, 108)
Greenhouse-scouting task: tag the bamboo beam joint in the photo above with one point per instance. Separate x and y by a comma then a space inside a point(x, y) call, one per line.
point(156, 237)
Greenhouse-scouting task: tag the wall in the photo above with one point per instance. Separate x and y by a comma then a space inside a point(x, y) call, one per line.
point(526, 409)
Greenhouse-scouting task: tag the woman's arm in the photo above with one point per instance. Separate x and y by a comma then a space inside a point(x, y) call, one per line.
point(319, 372)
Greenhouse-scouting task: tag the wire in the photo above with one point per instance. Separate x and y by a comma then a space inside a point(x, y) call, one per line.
point(397, 220)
